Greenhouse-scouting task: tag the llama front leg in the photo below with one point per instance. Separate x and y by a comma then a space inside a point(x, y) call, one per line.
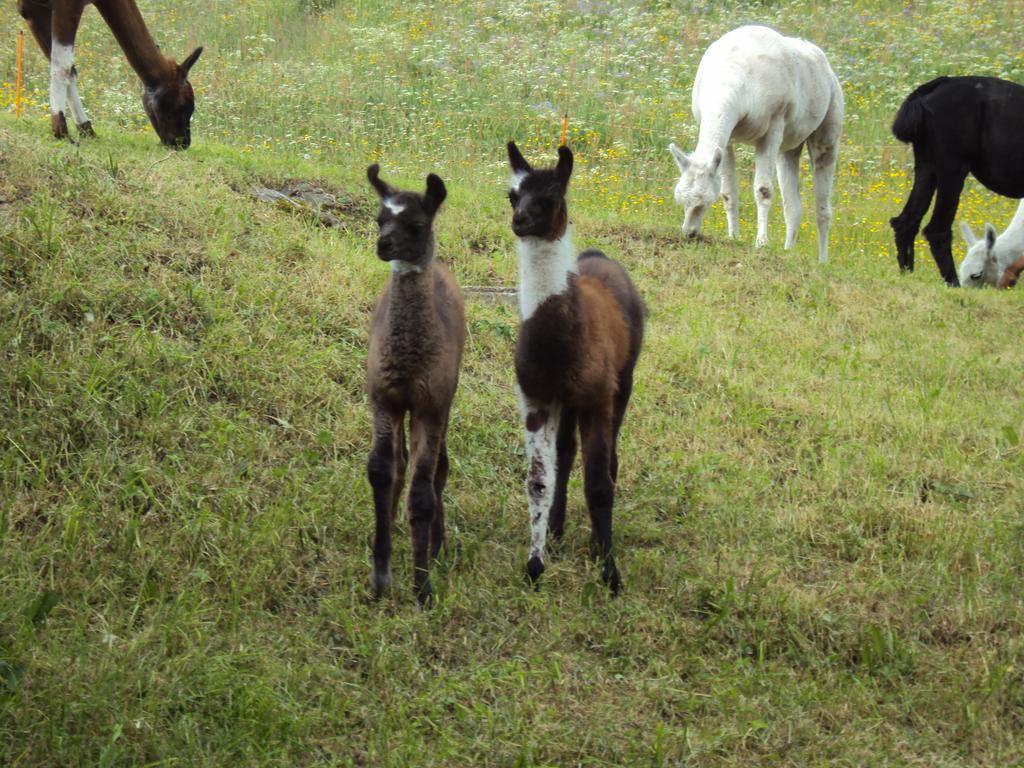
point(939, 231)
point(541, 438)
point(77, 108)
point(599, 489)
point(383, 472)
point(731, 192)
point(65, 18)
point(426, 434)
point(765, 155)
point(788, 172)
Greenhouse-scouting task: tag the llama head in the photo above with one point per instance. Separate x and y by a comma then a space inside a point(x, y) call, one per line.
point(538, 195)
point(698, 187)
point(980, 266)
point(406, 220)
point(170, 104)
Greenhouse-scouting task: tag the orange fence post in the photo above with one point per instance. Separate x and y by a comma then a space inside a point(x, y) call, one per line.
point(17, 87)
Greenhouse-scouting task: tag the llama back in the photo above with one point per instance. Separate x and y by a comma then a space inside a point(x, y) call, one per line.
point(613, 275)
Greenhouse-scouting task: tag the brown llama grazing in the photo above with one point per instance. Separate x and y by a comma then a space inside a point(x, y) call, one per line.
point(582, 324)
point(167, 97)
point(417, 334)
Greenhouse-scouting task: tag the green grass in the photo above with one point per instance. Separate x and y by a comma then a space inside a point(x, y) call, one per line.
point(819, 515)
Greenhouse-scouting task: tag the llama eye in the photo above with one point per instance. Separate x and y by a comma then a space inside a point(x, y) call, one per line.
point(513, 197)
point(976, 276)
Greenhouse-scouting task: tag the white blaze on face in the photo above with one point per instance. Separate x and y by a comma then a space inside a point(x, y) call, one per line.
point(391, 205)
point(516, 180)
point(62, 60)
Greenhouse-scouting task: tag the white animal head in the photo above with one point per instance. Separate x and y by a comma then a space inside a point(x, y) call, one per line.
point(980, 266)
point(698, 187)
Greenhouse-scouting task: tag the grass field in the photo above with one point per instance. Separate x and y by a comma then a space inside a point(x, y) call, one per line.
point(819, 517)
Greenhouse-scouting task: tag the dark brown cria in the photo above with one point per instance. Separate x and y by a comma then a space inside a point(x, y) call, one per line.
point(417, 335)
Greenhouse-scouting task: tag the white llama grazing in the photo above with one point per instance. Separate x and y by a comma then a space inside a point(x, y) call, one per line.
point(755, 86)
point(987, 259)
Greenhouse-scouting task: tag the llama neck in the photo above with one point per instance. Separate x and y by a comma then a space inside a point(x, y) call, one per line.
point(143, 54)
point(544, 269)
point(1015, 230)
point(716, 127)
point(411, 305)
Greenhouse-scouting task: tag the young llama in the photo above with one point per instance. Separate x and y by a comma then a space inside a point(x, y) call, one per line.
point(581, 328)
point(754, 86)
point(992, 260)
point(167, 97)
point(417, 335)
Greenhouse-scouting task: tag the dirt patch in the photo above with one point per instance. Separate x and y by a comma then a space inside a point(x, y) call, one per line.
point(330, 208)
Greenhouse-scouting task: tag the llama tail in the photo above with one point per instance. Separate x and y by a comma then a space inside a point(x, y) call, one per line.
point(908, 126)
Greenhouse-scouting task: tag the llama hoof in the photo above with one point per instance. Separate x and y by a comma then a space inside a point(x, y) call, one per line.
point(59, 126)
point(85, 131)
point(610, 576)
point(534, 568)
point(425, 594)
point(379, 582)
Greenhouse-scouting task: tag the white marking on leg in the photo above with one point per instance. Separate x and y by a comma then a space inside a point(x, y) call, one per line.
point(75, 101)
point(544, 269)
point(391, 205)
point(542, 467)
point(62, 59)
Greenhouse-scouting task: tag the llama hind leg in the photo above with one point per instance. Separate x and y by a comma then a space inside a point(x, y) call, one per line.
point(437, 536)
point(565, 449)
point(788, 170)
point(731, 192)
point(599, 489)
point(426, 435)
point(823, 160)
point(905, 226)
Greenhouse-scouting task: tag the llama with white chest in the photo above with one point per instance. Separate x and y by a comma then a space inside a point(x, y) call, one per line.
point(992, 260)
point(581, 328)
point(754, 86)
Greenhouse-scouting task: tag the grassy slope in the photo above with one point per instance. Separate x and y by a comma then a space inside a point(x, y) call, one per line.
point(819, 513)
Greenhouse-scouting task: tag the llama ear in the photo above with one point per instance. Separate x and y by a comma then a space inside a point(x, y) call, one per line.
point(564, 168)
point(383, 188)
point(968, 233)
point(188, 63)
point(716, 160)
point(680, 157)
point(990, 238)
point(435, 194)
point(516, 159)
